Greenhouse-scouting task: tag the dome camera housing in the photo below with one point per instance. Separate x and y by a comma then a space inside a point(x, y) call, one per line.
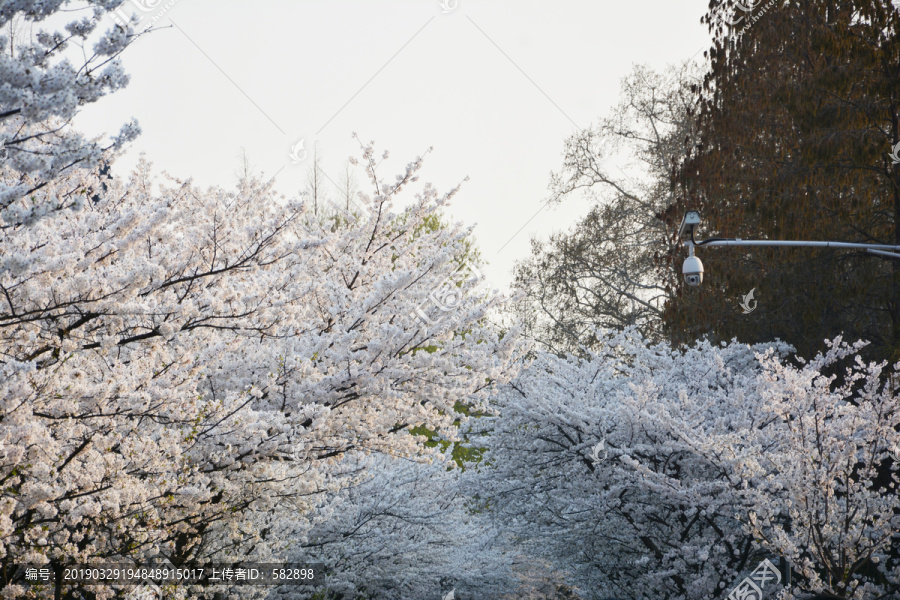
point(693, 271)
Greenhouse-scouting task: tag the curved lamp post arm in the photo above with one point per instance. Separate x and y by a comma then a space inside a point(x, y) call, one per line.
point(878, 249)
point(693, 268)
point(691, 220)
point(847, 245)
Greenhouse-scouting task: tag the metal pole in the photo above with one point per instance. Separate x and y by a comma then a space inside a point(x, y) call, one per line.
point(848, 245)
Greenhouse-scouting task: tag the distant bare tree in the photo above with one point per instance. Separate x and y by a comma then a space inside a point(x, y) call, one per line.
point(244, 171)
point(609, 270)
point(347, 185)
point(315, 182)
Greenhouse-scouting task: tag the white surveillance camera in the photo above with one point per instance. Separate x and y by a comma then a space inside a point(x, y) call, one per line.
point(693, 271)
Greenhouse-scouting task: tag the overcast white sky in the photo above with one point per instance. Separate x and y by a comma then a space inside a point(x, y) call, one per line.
point(495, 86)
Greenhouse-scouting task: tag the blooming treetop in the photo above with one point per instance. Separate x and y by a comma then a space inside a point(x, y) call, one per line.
point(177, 361)
point(714, 457)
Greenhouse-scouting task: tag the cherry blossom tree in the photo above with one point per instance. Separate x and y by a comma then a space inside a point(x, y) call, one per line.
point(182, 370)
point(650, 472)
point(406, 530)
point(42, 90)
